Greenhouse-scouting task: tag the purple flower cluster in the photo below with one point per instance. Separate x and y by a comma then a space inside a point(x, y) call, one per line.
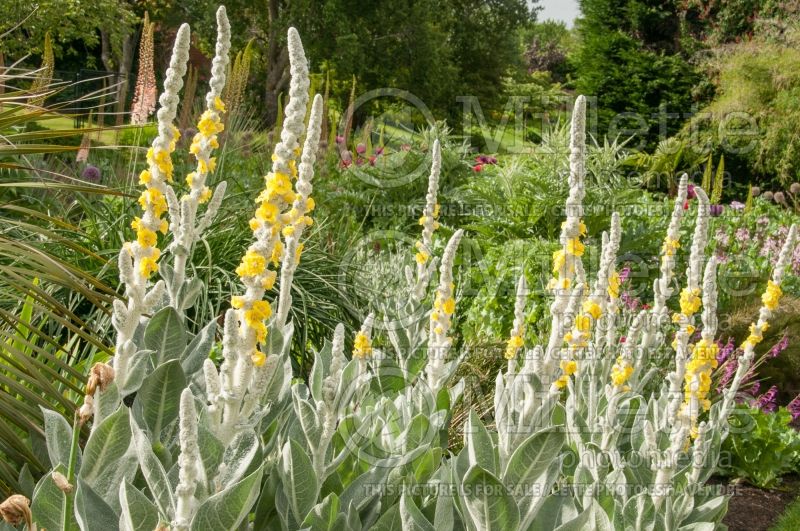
point(482, 160)
point(768, 402)
point(91, 173)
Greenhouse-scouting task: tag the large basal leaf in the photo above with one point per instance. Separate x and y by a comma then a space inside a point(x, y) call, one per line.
point(299, 480)
point(390, 520)
point(242, 451)
point(411, 516)
point(91, 510)
point(154, 473)
point(58, 433)
point(198, 349)
point(165, 335)
point(47, 503)
point(480, 447)
point(158, 398)
point(230, 507)
point(531, 459)
point(138, 512)
point(325, 516)
point(488, 502)
point(109, 457)
point(137, 370)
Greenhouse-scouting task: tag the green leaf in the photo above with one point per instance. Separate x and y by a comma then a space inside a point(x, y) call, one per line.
point(106, 402)
point(153, 471)
point(138, 512)
point(91, 510)
point(158, 399)
point(488, 502)
point(198, 349)
point(227, 509)
point(48, 503)
point(137, 370)
point(323, 516)
point(109, 457)
point(58, 433)
point(531, 459)
point(479, 444)
point(165, 334)
point(299, 479)
point(390, 520)
point(238, 456)
point(411, 516)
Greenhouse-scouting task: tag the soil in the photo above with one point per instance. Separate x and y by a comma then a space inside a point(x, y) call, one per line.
point(754, 509)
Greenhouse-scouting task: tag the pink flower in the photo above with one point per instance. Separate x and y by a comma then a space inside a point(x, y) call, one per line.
point(379, 150)
point(339, 139)
point(622, 339)
point(624, 274)
point(768, 401)
point(690, 193)
point(361, 149)
point(779, 347)
point(794, 408)
point(372, 160)
point(477, 167)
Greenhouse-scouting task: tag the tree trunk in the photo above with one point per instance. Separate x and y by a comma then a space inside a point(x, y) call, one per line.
point(277, 61)
point(124, 71)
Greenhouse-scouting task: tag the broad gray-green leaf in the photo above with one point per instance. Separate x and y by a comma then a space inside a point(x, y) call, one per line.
point(418, 432)
point(592, 517)
point(488, 502)
point(538, 493)
point(299, 480)
point(91, 510)
point(109, 457)
point(323, 516)
point(47, 505)
point(411, 516)
point(165, 334)
point(106, 403)
point(316, 377)
point(711, 511)
point(390, 520)
point(531, 459)
point(227, 509)
point(307, 416)
point(137, 370)
point(443, 517)
point(199, 348)
point(158, 398)
point(238, 457)
point(189, 292)
point(58, 433)
point(138, 512)
point(479, 444)
point(154, 473)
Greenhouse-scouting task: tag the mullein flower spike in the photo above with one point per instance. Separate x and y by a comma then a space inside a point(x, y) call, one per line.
point(138, 259)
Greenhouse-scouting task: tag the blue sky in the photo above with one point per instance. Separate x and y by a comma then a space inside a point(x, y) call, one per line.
point(563, 10)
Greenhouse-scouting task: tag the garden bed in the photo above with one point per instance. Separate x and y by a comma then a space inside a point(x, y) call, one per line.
point(754, 509)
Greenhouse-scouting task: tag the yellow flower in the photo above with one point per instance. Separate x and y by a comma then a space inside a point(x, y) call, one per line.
point(190, 178)
point(421, 257)
point(569, 367)
point(561, 383)
point(258, 358)
point(690, 301)
point(208, 126)
point(269, 280)
point(559, 259)
point(513, 344)
point(575, 247)
point(449, 306)
point(145, 177)
point(253, 264)
point(163, 227)
point(147, 266)
point(620, 372)
point(670, 246)
point(146, 237)
point(583, 323)
point(772, 295)
point(267, 212)
point(613, 285)
point(592, 308)
point(205, 195)
point(362, 346)
point(310, 204)
point(218, 104)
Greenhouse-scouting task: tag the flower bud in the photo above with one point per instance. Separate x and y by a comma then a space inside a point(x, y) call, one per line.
point(16, 509)
point(61, 482)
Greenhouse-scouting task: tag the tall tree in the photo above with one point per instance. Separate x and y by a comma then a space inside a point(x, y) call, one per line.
point(630, 59)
